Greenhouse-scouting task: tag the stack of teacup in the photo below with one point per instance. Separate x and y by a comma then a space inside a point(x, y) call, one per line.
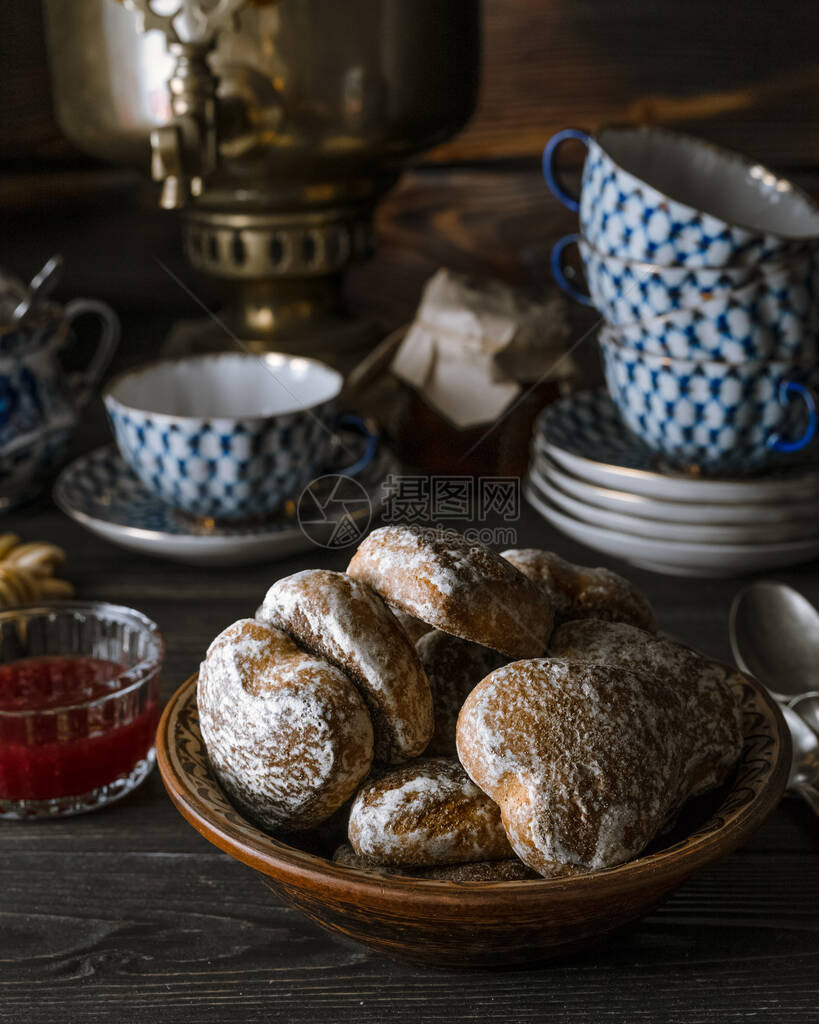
point(703, 266)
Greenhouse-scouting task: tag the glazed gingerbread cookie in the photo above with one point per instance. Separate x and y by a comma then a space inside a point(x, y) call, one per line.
point(454, 667)
point(413, 627)
point(713, 723)
point(286, 732)
point(423, 814)
point(346, 622)
point(464, 589)
point(579, 592)
point(509, 870)
point(584, 760)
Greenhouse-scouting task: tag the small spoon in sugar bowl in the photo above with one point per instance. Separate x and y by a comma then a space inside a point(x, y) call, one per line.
point(805, 760)
point(774, 633)
point(42, 284)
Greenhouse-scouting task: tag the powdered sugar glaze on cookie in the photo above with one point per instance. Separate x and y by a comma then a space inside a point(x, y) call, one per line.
point(580, 592)
point(426, 813)
point(346, 622)
point(464, 589)
point(454, 668)
point(712, 724)
point(584, 760)
point(286, 732)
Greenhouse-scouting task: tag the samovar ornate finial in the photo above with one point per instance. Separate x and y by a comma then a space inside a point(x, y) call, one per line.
point(193, 22)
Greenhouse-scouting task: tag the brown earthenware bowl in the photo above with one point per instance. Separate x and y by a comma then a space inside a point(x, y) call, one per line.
point(465, 924)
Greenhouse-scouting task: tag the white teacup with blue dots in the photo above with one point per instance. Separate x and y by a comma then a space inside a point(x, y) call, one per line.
point(669, 199)
point(720, 417)
point(227, 436)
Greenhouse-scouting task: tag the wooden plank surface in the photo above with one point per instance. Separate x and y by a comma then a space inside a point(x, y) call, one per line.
point(132, 917)
point(128, 915)
point(743, 74)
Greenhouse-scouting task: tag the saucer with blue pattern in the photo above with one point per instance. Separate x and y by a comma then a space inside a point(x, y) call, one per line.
point(583, 434)
point(99, 491)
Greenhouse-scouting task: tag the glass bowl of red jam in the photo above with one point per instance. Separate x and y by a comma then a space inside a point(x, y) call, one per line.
point(79, 704)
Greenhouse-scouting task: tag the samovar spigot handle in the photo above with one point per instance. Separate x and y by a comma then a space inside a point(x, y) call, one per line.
point(185, 152)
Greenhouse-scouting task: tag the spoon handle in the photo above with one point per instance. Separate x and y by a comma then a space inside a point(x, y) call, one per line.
point(808, 793)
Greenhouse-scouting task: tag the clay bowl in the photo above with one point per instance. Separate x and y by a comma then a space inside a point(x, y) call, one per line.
point(467, 924)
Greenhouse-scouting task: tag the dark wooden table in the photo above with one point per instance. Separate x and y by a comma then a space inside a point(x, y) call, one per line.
point(128, 915)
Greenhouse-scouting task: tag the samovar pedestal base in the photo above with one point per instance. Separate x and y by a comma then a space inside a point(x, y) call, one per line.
point(284, 274)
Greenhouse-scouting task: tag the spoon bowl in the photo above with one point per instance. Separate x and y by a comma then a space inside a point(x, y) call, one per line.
point(774, 634)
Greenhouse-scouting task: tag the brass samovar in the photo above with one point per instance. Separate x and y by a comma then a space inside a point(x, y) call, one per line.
point(273, 125)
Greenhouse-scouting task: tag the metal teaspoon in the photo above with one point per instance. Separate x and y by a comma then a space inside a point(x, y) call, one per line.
point(805, 761)
point(774, 633)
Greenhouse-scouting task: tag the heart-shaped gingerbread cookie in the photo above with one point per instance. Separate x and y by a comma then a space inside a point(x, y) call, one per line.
point(584, 760)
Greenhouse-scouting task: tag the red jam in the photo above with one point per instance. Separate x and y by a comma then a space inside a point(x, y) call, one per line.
point(72, 751)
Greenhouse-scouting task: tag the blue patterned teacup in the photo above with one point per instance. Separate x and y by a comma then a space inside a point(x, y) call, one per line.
point(228, 436)
point(719, 417)
point(661, 197)
point(737, 327)
point(39, 400)
point(783, 293)
point(775, 315)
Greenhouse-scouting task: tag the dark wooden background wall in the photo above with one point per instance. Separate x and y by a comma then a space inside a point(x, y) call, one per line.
point(743, 72)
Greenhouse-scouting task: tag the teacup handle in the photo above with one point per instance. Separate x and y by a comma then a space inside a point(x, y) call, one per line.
point(357, 424)
point(786, 389)
point(559, 274)
point(549, 171)
point(85, 381)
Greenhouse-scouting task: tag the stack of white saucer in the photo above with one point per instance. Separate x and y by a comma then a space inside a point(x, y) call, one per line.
point(597, 483)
